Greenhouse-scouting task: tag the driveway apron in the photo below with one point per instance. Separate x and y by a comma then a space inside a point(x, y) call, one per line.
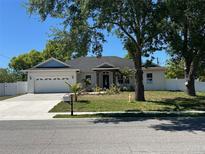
point(29, 106)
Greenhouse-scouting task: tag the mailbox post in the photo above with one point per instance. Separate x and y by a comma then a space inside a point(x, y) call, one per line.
point(71, 105)
point(68, 98)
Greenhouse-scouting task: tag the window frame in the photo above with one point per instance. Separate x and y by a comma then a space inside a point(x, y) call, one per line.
point(127, 80)
point(88, 77)
point(120, 79)
point(149, 79)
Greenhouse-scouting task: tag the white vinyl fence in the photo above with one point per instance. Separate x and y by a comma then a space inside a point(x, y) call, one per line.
point(9, 89)
point(179, 84)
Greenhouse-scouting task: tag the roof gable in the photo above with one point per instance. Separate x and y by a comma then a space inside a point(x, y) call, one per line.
point(105, 65)
point(52, 63)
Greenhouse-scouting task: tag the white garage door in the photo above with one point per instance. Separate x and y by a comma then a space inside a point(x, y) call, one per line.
point(51, 85)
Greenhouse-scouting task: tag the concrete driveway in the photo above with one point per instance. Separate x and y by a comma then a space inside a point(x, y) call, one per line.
point(29, 106)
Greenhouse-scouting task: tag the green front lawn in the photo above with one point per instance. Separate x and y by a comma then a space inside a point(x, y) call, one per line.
point(155, 101)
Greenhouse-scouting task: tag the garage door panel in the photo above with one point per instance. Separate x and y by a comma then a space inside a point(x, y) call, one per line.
point(51, 85)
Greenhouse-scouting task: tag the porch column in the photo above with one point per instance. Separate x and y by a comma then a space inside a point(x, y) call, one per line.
point(97, 78)
point(114, 78)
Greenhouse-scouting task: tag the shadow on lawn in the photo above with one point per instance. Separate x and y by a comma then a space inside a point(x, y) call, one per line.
point(83, 101)
point(182, 104)
point(167, 122)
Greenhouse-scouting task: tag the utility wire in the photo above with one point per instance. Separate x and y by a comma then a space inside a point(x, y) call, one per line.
point(1, 55)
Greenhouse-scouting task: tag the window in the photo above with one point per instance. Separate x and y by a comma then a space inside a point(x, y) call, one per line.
point(64, 78)
point(120, 79)
point(105, 73)
point(88, 77)
point(127, 80)
point(149, 78)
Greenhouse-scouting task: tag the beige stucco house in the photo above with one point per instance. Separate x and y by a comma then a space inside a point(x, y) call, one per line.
point(51, 75)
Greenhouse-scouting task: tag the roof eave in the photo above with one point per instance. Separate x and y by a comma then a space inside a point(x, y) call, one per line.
point(101, 69)
point(52, 58)
point(56, 70)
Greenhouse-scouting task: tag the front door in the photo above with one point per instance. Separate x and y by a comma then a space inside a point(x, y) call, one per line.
point(106, 82)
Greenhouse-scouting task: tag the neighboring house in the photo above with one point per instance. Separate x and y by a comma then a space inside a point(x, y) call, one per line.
point(51, 75)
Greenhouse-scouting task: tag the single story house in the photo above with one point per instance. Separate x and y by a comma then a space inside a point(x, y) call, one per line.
point(51, 75)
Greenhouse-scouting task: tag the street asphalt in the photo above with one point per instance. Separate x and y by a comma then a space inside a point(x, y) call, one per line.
point(104, 136)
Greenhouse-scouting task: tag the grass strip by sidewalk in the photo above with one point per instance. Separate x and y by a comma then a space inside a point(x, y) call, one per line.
point(130, 115)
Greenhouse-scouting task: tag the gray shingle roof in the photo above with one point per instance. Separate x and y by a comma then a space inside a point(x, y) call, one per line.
point(86, 64)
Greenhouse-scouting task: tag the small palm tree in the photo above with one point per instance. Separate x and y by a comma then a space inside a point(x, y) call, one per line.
point(76, 89)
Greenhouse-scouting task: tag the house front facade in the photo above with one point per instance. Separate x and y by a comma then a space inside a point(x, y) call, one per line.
point(51, 75)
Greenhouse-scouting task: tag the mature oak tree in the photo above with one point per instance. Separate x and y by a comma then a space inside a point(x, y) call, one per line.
point(132, 21)
point(57, 50)
point(7, 75)
point(25, 61)
point(186, 36)
point(175, 69)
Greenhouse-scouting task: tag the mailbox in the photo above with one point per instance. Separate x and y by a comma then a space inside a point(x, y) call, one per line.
point(67, 97)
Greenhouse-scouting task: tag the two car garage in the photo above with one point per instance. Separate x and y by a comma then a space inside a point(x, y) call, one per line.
point(51, 81)
point(51, 84)
point(51, 76)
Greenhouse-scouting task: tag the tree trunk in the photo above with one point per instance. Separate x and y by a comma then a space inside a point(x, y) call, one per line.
point(190, 78)
point(139, 88)
point(190, 64)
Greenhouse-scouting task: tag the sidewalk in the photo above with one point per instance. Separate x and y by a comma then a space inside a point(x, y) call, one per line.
point(134, 112)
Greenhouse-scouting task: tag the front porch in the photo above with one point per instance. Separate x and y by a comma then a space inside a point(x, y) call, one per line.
point(105, 78)
point(106, 75)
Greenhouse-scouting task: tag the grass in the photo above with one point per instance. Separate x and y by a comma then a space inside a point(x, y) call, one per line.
point(5, 97)
point(155, 101)
point(129, 115)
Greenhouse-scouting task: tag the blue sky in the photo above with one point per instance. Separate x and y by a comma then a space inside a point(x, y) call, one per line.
point(20, 33)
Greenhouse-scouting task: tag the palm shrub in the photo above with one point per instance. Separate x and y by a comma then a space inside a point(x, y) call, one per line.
point(113, 90)
point(76, 89)
point(97, 89)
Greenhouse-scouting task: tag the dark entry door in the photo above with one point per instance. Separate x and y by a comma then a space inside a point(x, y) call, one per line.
point(106, 81)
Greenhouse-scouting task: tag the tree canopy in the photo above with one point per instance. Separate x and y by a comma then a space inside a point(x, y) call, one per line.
point(185, 35)
point(25, 61)
point(135, 22)
point(59, 47)
point(57, 50)
point(174, 69)
point(7, 75)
